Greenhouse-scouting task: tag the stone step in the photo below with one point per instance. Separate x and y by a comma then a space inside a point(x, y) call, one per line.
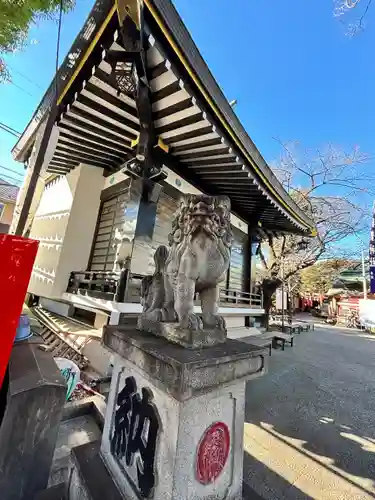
point(72, 432)
point(90, 479)
point(241, 332)
point(128, 319)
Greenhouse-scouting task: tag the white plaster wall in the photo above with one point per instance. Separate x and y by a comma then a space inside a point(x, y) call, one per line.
point(64, 224)
point(114, 179)
point(49, 227)
point(234, 321)
point(61, 308)
point(75, 251)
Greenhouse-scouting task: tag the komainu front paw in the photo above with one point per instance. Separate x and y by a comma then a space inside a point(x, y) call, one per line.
point(155, 316)
point(214, 321)
point(168, 314)
point(191, 322)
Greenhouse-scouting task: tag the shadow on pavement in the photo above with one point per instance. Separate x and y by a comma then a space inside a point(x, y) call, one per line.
point(350, 452)
point(270, 485)
point(322, 396)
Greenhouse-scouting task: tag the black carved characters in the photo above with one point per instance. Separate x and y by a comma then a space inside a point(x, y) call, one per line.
point(136, 429)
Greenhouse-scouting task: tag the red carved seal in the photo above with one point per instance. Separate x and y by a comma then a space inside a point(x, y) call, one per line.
point(213, 452)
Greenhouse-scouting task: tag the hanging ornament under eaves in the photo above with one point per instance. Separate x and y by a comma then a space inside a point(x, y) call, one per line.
point(123, 64)
point(125, 76)
point(129, 9)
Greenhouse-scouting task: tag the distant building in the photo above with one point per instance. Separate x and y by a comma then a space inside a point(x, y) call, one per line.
point(8, 197)
point(351, 279)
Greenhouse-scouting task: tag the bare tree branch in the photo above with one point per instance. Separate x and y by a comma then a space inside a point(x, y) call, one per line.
point(310, 178)
point(272, 250)
point(262, 258)
point(345, 8)
point(350, 4)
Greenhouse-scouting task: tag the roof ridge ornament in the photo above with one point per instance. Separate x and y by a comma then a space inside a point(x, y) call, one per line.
point(131, 9)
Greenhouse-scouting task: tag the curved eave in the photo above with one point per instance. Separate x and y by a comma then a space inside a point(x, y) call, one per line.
point(207, 143)
point(79, 54)
point(180, 41)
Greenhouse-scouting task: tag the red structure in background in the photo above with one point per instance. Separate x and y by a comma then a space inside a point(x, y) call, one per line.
point(17, 257)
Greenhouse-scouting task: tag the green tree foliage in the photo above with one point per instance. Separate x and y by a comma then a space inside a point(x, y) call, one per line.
point(320, 277)
point(16, 18)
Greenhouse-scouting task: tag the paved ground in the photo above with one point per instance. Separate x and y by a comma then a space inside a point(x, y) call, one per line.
point(310, 422)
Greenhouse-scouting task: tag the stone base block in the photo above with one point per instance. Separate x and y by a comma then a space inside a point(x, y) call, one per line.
point(89, 478)
point(191, 339)
point(174, 423)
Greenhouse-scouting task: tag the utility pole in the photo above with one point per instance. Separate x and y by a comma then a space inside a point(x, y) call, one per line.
point(364, 276)
point(282, 295)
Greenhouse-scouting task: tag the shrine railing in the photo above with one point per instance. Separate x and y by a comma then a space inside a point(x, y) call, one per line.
point(115, 286)
point(107, 285)
point(98, 284)
point(239, 298)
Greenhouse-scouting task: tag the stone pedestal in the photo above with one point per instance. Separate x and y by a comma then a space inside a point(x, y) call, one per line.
point(191, 339)
point(35, 399)
point(174, 422)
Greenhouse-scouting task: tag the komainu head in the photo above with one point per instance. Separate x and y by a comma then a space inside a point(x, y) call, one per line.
point(202, 213)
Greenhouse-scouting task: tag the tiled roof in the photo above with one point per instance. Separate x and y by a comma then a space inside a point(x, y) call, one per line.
point(99, 115)
point(8, 192)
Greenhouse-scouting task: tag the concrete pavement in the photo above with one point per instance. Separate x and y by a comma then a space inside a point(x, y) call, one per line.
point(310, 422)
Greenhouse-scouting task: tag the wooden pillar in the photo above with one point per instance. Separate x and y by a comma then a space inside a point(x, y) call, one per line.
point(36, 166)
point(247, 267)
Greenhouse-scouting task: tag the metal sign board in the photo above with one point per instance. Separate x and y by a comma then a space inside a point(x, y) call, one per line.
point(372, 254)
point(280, 303)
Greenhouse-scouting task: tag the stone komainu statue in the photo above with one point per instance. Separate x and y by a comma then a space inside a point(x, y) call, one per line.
point(196, 261)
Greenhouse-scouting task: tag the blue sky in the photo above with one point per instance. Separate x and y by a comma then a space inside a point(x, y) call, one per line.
point(295, 74)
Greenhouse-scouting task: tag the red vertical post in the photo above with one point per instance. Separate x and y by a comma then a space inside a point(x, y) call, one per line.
point(17, 257)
